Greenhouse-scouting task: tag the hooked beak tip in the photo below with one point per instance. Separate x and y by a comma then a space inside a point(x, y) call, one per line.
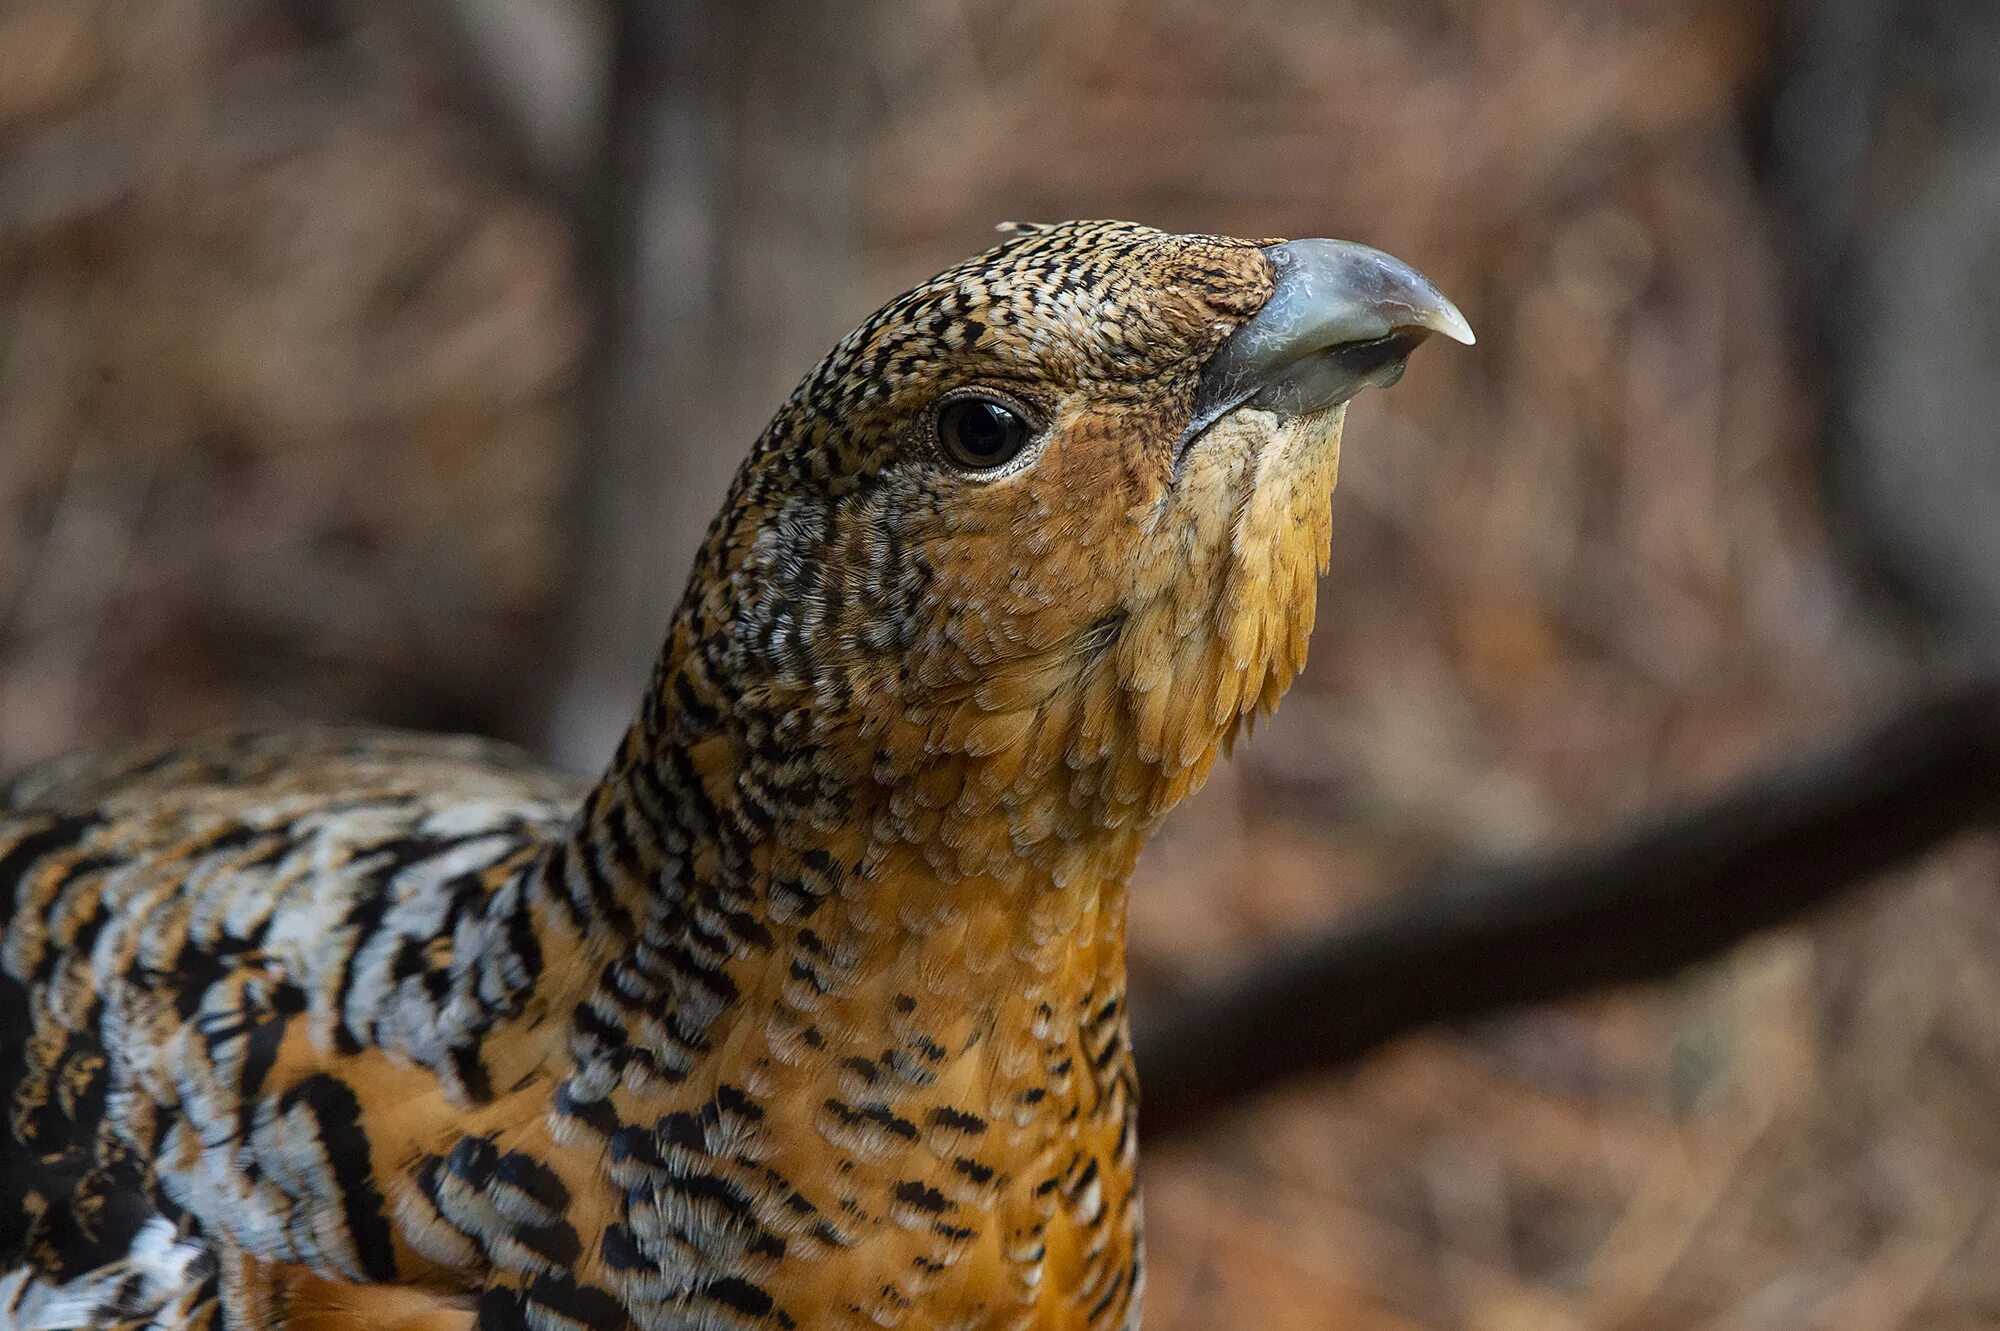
point(1452, 324)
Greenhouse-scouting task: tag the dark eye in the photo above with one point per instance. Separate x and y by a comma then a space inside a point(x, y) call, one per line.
point(982, 432)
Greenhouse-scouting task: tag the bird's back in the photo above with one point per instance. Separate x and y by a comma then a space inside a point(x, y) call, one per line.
point(176, 919)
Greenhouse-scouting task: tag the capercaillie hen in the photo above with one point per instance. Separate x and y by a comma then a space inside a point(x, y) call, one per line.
point(809, 1013)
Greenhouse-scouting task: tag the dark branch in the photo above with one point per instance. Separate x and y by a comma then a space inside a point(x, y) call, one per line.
point(1678, 890)
point(533, 76)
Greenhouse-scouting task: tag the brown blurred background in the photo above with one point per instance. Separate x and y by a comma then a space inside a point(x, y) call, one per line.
point(384, 359)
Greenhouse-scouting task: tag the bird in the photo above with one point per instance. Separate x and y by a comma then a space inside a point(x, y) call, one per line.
point(810, 1012)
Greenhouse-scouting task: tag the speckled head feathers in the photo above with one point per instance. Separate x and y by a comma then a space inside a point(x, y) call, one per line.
point(1089, 601)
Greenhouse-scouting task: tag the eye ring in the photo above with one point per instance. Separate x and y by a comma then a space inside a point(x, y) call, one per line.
point(984, 432)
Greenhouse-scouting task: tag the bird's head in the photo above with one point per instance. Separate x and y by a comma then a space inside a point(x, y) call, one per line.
point(1038, 535)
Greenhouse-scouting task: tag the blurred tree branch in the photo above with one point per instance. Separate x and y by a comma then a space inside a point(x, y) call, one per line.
point(653, 246)
point(534, 74)
point(1677, 890)
point(1882, 151)
point(724, 188)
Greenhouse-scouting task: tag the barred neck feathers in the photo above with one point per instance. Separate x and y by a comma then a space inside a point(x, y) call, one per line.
point(877, 923)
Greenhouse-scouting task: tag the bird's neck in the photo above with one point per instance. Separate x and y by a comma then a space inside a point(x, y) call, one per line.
point(747, 876)
point(917, 1011)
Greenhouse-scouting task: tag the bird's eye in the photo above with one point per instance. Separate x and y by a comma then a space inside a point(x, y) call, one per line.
point(981, 433)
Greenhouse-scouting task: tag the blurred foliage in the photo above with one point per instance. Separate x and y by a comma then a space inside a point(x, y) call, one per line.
point(283, 380)
point(286, 393)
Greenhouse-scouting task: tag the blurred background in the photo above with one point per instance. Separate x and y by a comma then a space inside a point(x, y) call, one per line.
point(384, 359)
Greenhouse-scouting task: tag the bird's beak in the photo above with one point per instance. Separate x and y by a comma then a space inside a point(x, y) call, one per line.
point(1342, 317)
